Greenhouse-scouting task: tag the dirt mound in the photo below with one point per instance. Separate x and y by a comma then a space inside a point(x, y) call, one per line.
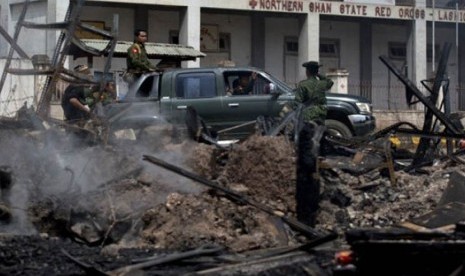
point(188, 221)
point(261, 167)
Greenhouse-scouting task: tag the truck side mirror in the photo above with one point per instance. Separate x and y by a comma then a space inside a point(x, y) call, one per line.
point(274, 92)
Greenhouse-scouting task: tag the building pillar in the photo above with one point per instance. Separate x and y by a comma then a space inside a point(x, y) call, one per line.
point(56, 12)
point(309, 41)
point(189, 31)
point(416, 50)
point(4, 19)
point(258, 40)
point(366, 60)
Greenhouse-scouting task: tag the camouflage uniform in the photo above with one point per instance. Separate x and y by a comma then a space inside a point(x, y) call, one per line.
point(311, 92)
point(92, 98)
point(137, 60)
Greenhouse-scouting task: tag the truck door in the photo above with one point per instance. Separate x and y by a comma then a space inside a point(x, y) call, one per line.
point(240, 108)
point(199, 90)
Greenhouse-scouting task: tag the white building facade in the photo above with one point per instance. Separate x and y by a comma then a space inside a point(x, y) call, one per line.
point(279, 35)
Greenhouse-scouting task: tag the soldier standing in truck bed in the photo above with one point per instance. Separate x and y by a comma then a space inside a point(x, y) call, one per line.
point(137, 60)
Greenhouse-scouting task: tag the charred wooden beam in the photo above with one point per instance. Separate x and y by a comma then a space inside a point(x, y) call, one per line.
point(455, 189)
point(89, 269)
point(197, 128)
point(429, 102)
point(149, 262)
point(59, 56)
point(431, 134)
point(55, 25)
point(94, 30)
point(307, 192)
point(13, 43)
point(425, 100)
point(424, 145)
point(15, 38)
point(26, 72)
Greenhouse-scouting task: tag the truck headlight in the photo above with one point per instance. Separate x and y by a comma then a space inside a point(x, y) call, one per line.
point(364, 107)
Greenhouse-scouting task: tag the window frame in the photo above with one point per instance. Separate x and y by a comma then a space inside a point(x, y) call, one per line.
point(397, 50)
point(335, 43)
point(182, 78)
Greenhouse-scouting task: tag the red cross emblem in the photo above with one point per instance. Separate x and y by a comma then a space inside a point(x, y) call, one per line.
point(253, 3)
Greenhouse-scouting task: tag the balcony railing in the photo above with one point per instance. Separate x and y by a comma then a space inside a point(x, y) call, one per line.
point(393, 97)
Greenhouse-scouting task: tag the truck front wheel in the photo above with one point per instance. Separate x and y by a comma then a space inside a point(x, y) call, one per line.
point(337, 128)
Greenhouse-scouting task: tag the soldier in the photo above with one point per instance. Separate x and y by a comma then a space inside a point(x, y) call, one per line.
point(244, 84)
point(73, 101)
point(311, 93)
point(137, 60)
point(105, 96)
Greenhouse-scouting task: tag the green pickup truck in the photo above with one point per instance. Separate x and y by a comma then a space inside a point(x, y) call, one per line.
point(164, 97)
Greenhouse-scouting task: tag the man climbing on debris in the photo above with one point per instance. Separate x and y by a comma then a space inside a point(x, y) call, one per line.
point(73, 101)
point(137, 60)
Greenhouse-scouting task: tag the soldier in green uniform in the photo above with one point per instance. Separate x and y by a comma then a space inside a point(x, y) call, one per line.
point(137, 60)
point(311, 93)
point(105, 96)
point(311, 96)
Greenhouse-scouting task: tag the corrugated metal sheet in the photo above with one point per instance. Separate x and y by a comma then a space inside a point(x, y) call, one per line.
point(154, 50)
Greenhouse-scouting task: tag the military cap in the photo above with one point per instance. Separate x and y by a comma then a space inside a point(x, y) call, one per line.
point(311, 64)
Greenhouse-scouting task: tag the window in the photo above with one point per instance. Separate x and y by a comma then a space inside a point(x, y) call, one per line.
point(239, 83)
point(174, 37)
point(445, 4)
point(291, 46)
point(410, 3)
point(148, 88)
point(329, 48)
point(225, 42)
point(397, 50)
point(199, 85)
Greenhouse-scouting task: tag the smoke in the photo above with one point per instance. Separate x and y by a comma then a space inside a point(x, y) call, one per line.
point(52, 164)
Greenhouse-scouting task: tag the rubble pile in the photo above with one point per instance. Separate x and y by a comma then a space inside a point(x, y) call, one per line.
point(371, 200)
point(347, 200)
point(188, 221)
point(109, 198)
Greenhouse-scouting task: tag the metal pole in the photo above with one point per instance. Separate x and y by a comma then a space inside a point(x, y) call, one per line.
point(432, 38)
point(449, 145)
